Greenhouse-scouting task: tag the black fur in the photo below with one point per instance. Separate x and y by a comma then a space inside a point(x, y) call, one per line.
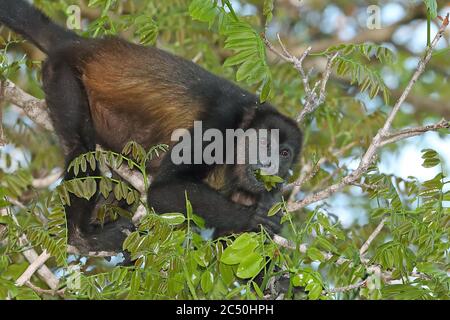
point(31, 23)
point(91, 101)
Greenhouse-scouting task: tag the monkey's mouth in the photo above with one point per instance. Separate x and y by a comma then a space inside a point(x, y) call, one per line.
point(252, 184)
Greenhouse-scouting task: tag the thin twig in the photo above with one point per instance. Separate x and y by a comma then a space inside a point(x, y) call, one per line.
point(313, 99)
point(412, 132)
point(372, 237)
point(41, 291)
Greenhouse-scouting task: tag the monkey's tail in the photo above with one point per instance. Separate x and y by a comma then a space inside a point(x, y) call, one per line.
point(31, 23)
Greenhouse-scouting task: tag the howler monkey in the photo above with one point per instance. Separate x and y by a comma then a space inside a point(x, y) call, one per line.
point(109, 91)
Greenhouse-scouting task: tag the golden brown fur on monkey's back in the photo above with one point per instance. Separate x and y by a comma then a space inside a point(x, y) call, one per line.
point(129, 84)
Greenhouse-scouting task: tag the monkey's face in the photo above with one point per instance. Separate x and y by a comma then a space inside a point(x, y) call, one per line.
point(279, 143)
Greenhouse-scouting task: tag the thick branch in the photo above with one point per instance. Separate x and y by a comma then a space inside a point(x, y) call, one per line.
point(34, 108)
point(42, 183)
point(32, 268)
point(31, 255)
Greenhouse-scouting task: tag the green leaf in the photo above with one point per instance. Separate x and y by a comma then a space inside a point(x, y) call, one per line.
point(314, 290)
point(267, 10)
point(250, 266)
point(241, 248)
point(244, 240)
point(207, 281)
point(246, 69)
point(173, 219)
point(203, 10)
point(131, 242)
point(199, 221)
point(239, 58)
point(431, 7)
point(135, 282)
point(200, 257)
point(266, 89)
point(429, 154)
point(315, 254)
point(257, 290)
point(275, 209)
point(362, 75)
point(226, 273)
point(118, 192)
point(430, 163)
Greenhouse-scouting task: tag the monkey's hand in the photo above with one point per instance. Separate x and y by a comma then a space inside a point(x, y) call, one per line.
point(271, 224)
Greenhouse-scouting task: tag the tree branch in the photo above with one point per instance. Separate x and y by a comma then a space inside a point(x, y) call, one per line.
point(372, 237)
point(32, 268)
point(42, 183)
point(34, 108)
point(31, 255)
point(41, 291)
point(379, 139)
point(313, 98)
point(412, 132)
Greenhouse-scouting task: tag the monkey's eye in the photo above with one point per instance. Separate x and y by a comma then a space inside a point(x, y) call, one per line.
point(284, 153)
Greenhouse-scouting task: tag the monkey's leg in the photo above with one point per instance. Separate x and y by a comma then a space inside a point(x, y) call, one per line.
point(70, 114)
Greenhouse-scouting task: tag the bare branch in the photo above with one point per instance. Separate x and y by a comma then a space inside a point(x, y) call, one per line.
point(372, 237)
point(412, 132)
point(31, 255)
point(420, 69)
point(134, 177)
point(41, 291)
point(34, 108)
point(285, 243)
point(47, 181)
point(32, 268)
point(303, 248)
point(313, 99)
point(379, 138)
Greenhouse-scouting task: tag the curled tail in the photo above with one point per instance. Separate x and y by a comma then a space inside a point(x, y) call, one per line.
point(31, 23)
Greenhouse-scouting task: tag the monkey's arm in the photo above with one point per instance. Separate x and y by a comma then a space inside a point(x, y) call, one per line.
point(219, 212)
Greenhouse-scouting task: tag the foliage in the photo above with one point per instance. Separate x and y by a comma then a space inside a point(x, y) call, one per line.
point(242, 38)
point(173, 258)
